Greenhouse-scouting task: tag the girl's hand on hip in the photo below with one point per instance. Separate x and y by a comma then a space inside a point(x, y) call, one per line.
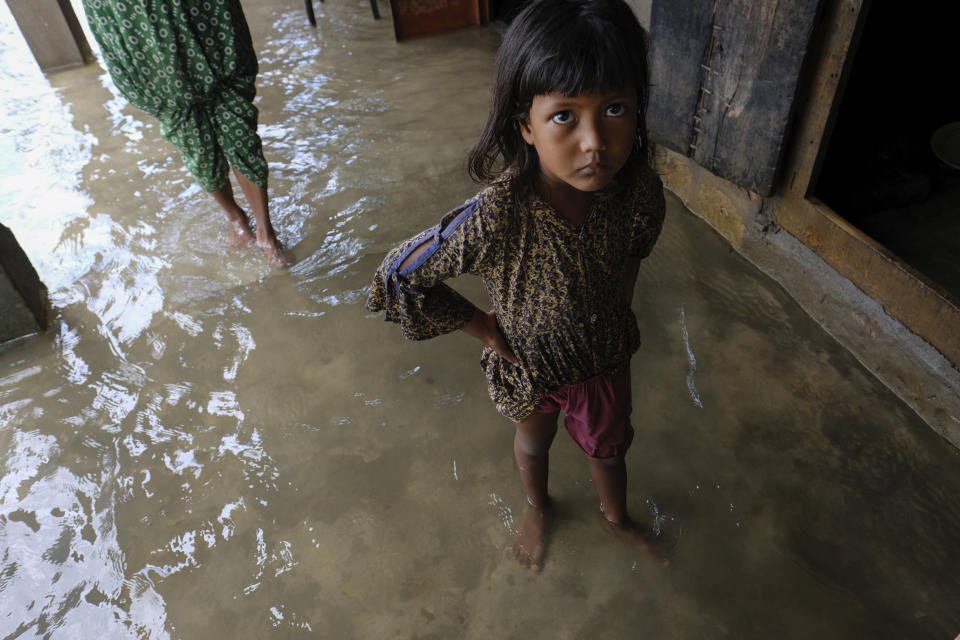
point(483, 326)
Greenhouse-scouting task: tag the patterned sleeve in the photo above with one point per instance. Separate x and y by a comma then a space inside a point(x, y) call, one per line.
point(416, 297)
point(649, 208)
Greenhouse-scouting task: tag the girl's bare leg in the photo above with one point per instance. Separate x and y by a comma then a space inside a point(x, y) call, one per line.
point(610, 477)
point(531, 449)
point(266, 237)
point(242, 235)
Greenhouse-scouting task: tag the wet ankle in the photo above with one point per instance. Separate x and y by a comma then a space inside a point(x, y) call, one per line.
point(543, 505)
point(616, 521)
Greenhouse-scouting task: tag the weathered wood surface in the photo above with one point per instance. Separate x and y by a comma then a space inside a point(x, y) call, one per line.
point(679, 39)
point(724, 77)
point(23, 297)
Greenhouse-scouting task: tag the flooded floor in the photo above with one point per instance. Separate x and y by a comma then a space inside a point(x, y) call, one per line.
point(203, 446)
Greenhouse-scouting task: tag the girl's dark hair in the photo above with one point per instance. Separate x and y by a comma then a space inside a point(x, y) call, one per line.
point(559, 46)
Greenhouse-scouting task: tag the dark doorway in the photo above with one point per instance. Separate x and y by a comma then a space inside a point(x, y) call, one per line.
point(505, 10)
point(879, 171)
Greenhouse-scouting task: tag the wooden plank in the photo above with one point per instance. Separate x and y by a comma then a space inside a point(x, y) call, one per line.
point(921, 305)
point(679, 36)
point(738, 63)
point(758, 52)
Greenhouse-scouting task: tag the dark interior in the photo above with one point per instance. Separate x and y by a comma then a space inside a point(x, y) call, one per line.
point(879, 171)
point(505, 10)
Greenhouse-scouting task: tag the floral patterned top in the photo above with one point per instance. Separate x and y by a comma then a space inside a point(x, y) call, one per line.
point(555, 289)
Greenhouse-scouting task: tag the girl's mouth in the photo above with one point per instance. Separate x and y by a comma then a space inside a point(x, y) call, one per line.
point(591, 169)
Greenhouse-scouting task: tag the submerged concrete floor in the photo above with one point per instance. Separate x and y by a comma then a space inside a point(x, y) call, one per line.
point(204, 446)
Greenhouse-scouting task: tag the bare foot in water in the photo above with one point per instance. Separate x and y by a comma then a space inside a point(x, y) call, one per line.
point(640, 538)
point(530, 543)
point(242, 236)
point(274, 250)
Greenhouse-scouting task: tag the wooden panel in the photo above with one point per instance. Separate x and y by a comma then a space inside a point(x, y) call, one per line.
point(414, 18)
point(679, 36)
point(738, 63)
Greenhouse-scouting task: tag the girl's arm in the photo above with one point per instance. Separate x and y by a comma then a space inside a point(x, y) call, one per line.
point(409, 285)
point(419, 251)
point(649, 211)
point(483, 326)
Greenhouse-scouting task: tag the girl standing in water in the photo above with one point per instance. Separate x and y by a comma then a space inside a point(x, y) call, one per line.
point(570, 208)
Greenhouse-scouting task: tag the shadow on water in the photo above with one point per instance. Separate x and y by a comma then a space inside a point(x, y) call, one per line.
point(203, 446)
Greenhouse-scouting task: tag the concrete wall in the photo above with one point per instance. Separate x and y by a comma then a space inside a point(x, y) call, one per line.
point(52, 32)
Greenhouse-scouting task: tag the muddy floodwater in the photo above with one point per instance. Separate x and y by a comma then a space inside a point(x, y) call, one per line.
point(203, 446)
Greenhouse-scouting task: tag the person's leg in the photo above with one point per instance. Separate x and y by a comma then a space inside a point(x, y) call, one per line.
point(531, 449)
point(610, 477)
point(259, 203)
point(598, 418)
point(243, 236)
point(235, 125)
point(195, 135)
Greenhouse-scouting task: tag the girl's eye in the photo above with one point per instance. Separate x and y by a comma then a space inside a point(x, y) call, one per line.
point(562, 117)
point(616, 109)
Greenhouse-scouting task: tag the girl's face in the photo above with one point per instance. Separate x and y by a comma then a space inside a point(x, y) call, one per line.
point(582, 141)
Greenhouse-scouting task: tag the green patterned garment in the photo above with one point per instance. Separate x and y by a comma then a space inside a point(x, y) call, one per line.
point(191, 65)
point(556, 290)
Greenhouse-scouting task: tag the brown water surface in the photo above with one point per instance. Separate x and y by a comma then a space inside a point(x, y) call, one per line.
point(203, 446)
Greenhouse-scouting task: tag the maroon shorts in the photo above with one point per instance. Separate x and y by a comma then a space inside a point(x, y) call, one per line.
point(597, 413)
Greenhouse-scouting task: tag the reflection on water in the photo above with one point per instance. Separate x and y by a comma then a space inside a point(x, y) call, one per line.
point(202, 446)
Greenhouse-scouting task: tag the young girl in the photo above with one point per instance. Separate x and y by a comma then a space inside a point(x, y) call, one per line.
point(570, 209)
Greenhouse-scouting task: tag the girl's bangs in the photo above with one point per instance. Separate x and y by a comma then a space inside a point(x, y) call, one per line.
point(588, 65)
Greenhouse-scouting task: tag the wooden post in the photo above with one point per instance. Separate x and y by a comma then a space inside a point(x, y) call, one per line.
point(52, 32)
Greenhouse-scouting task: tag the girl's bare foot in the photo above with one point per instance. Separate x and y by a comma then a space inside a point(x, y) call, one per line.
point(530, 543)
point(640, 538)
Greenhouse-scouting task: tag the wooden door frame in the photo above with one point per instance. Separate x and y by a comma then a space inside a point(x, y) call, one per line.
point(919, 303)
point(896, 322)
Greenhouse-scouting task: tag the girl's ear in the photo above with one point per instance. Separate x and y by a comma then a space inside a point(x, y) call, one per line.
point(525, 130)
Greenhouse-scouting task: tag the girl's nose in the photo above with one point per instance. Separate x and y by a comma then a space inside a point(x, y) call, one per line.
point(591, 138)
